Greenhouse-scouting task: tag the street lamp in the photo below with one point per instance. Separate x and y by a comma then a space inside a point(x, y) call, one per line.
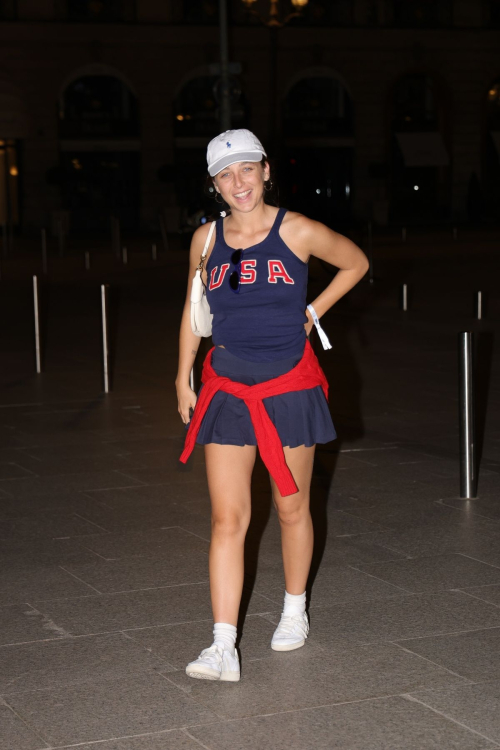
point(274, 19)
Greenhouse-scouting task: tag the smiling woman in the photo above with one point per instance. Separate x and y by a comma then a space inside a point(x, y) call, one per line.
point(262, 383)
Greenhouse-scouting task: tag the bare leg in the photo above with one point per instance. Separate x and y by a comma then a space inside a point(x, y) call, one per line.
point(229, 472)
point(297, 535)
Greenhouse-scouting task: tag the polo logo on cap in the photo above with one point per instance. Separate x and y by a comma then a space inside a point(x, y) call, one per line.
point(228, 144)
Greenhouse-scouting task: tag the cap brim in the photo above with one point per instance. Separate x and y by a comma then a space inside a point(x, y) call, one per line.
point(229, 159)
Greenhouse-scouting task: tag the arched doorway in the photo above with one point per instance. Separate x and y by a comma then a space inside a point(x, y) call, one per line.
point(100, 150)
point(318, 127)
point(420, 165)
point(196, 120)
point(491, 151)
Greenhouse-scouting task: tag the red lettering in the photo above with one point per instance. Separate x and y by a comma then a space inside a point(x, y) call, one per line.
point(248, 273)
point(278, 271)
point(215, 284)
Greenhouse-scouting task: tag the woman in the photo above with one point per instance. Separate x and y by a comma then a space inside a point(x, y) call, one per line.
point(256, 276)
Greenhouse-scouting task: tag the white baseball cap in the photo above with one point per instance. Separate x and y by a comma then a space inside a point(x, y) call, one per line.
point(233, 146)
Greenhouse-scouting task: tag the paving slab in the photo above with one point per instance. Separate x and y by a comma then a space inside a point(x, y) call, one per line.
point(453, 571)
point(15, 734)
point(91, 712)
point(21, 623)
point(174, 739)
point(366, 725)
point(474, 706)
point(50, 664)
point(159, 606)
point(475, 655)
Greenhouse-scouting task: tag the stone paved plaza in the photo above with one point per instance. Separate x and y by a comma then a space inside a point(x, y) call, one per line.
point(104, 536)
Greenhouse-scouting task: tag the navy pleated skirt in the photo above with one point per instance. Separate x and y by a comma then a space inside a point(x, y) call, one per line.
point(300, 417)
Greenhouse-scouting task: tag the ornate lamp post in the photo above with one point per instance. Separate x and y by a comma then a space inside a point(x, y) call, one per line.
point(274, 23)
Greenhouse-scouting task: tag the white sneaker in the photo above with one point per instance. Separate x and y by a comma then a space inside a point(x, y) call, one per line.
point(291, 632)
point(215, 663)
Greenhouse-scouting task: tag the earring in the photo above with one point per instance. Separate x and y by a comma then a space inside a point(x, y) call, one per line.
point(270, 187)
point(220, 196)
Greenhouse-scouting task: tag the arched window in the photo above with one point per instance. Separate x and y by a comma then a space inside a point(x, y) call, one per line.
point(420, 173)
point(318, 105)
point(196, 107)
point(426, 13)
point(415, 104)
point(97, 106)
point(104, 182)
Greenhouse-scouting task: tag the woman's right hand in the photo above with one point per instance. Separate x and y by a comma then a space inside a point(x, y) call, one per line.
point(186, 399)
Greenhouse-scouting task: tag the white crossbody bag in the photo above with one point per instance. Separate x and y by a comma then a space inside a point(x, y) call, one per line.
point(201, 317)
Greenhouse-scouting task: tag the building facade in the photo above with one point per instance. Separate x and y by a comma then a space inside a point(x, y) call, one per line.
point(381, 110)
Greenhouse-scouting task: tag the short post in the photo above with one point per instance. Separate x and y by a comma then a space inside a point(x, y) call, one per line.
point(468, 475)
point(403, 234)
point(370, 253)
point(154, 254)
point(36, 308)
point(404, 297)
point(105, 355)
point(479, 305)
point(87, 260)
point(44, 251)
point(124, 256)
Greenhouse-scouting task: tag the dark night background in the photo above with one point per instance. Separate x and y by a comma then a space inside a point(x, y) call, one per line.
point(372, 110)
point(382, 119)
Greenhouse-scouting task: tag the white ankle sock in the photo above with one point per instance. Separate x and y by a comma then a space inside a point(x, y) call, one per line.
point(295, 604)
point(225, 636)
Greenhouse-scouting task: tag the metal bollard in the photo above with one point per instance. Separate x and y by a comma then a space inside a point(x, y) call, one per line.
point(87, 260)
point(36, 309)
point(479, 305)
point(154, 254)
point(404, 297)
point(44, 251)
point(105, 355)
point(468, 473)
point(124, 256)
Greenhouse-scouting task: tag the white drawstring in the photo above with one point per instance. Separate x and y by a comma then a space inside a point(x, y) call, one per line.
point(322, 335)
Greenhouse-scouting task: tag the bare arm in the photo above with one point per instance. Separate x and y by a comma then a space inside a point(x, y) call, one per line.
point(188, 341)
point(308, 237)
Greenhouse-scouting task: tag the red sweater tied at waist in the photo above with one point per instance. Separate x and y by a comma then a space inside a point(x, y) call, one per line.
point(305, 375)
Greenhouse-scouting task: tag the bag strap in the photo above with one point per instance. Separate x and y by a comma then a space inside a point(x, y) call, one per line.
point(207, 243)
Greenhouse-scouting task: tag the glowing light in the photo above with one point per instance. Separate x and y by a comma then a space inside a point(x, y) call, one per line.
point(299, 3)
point(318, 191)
point(347, 190)
point(13, 171)
point(415, 187)
point(180, 117)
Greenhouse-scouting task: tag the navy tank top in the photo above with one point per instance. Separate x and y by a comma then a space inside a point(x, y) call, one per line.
point(264, 320)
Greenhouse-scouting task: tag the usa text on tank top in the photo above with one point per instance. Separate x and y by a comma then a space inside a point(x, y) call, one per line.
point(264, 320)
